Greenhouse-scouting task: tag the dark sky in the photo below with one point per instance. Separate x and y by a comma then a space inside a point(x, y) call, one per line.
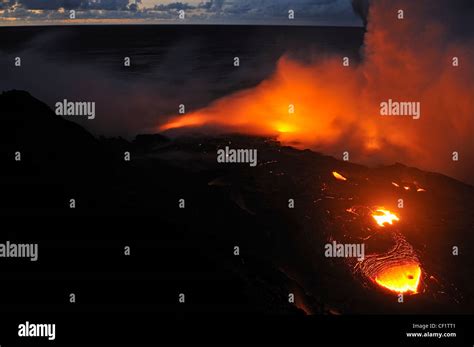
point(309, 12)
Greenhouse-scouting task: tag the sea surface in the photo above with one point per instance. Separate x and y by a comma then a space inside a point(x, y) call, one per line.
point(170, 65)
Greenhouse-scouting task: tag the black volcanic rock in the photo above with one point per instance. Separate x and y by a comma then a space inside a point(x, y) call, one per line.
point(29, 125)
point(149, 142)
point(59, 159)
point(282, 248)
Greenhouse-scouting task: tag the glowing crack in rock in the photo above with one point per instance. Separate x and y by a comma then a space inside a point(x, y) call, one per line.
point(338, 176)
point(383, 216)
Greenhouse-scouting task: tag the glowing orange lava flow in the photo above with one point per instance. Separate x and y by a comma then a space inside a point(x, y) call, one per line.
point(338, 176)
point(383, 216)
point(398, 269)
point(400, 278)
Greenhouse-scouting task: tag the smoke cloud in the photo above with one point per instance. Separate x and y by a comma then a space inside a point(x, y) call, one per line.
point(413, 52)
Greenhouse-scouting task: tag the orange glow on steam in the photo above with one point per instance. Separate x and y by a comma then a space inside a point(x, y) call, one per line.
point(325, 106)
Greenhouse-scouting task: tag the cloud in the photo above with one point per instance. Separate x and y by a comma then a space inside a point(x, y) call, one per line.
point(6, 4)
point(311, 9)
point(74, 4)
point(317, 12)
point(177, 6)
point(361, 7)
point(50, 4)
point(212, 5)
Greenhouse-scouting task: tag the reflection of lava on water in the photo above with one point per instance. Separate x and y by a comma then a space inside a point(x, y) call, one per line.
point(397, 270)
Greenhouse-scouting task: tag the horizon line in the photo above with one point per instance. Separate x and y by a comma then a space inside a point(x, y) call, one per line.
point(299, 24)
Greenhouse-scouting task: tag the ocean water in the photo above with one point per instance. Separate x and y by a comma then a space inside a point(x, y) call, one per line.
point(170, 65)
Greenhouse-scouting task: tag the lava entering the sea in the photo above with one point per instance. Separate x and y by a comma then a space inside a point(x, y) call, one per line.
point(332, 108)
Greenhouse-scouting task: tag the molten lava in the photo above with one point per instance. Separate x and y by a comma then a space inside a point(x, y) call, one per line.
point(338, 176)
point(403, 278)
point(398, 269)
point(383, 216)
